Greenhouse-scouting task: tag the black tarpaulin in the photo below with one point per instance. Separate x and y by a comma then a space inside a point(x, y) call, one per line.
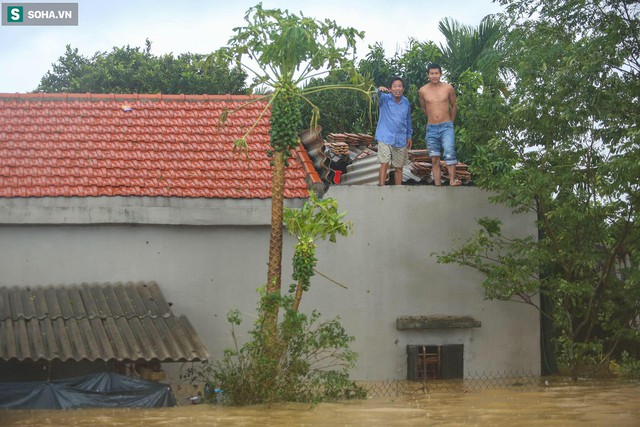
point(90, 391)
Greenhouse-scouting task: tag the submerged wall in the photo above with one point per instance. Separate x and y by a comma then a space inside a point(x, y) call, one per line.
point(210, 256)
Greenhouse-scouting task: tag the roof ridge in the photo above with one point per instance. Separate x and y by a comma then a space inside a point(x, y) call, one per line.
point(128, 96)
point(88, 316)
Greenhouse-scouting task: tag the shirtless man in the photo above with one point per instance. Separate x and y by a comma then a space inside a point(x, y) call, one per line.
point(438, 102)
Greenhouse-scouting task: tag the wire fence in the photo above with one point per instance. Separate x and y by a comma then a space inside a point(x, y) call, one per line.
point(187, 393)
point(513, 381)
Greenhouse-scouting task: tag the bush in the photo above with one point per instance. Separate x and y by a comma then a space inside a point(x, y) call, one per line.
point(312, 367)
point(627, 368)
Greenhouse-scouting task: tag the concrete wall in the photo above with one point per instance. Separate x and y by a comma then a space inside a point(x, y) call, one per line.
point(390, 271)
point(210, 256)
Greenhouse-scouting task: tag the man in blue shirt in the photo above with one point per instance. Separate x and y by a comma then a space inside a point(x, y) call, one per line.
point(394, 130)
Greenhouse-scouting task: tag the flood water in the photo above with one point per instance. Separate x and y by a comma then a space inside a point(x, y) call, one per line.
point(567, 405)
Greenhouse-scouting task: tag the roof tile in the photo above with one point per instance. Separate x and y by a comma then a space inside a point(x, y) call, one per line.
point(62, 145)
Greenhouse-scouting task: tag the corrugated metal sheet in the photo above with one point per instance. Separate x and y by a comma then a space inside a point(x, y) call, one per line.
point(314, 145)
point(95, 322)
point(363, 171)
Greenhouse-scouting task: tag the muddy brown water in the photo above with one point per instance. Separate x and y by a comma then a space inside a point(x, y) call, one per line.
point(609, 405)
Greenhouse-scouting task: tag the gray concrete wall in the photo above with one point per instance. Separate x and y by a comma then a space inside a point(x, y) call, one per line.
point(210, 256)
point(389, 269)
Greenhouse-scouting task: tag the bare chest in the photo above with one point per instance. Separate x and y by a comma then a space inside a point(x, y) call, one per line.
point(437, 95)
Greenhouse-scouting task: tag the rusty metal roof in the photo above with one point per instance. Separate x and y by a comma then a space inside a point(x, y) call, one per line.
point(95, 322)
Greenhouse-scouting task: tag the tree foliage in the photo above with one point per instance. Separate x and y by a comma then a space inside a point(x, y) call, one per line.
point(342, 111)
point(318, 219)
point(572, 156)
point(135, 70)
point(476, 49)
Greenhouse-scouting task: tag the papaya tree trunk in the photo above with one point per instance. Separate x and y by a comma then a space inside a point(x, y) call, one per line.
point(274, 273)
point(297, 298)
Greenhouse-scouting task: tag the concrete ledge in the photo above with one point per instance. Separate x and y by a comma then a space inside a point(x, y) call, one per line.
point(137, 210)
point(437, 321)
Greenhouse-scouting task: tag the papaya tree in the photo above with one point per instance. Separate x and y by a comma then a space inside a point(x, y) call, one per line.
point(287, 50)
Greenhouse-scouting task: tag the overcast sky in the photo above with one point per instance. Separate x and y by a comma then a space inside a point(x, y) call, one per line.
point(201, 26)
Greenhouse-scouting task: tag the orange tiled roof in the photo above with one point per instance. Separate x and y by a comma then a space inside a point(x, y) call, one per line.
point(54, 145)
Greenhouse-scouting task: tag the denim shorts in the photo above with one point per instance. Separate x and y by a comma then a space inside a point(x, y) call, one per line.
point(441, 136)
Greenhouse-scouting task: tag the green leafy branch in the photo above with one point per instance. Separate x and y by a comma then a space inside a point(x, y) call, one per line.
point(317, 219)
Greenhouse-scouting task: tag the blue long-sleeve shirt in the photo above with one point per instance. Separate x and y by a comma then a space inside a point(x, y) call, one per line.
point(394, 123)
